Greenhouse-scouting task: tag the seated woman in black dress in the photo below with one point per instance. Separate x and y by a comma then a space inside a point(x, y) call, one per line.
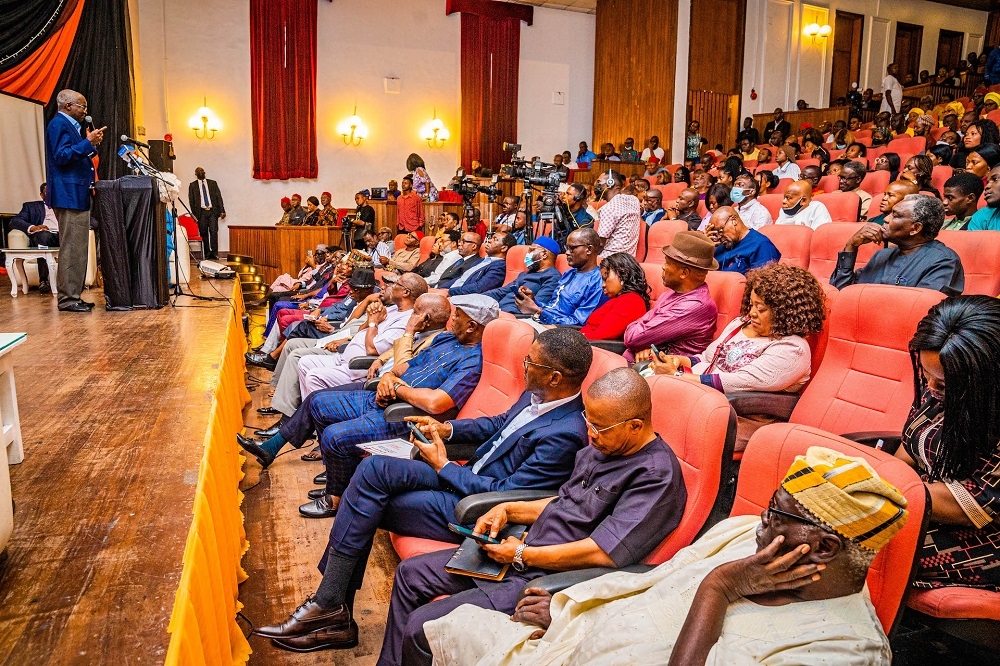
point(952, 439)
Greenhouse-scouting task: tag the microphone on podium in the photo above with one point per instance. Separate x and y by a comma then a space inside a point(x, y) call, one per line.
point(135, 142)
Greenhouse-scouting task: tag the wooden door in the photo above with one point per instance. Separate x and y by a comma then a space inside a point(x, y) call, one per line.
point(949, 49)
point(847, 34)
point(715, 81)
point(907, 52)
point(719, 115)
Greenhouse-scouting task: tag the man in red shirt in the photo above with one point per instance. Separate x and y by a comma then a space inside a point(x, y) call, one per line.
point(409, 209)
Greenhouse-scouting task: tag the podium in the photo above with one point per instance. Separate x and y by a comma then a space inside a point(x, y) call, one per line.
point(133, 242)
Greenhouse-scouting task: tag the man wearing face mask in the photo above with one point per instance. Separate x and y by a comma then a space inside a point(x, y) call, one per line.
point(540, 278)
point(797, 207)
point(744, 196)
point(619, 220)
point(737, 247)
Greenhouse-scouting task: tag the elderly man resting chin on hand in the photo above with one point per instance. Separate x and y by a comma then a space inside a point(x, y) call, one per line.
point(787, 587)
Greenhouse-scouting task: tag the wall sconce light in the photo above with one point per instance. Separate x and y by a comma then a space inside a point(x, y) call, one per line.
point(815, 30)
point(435, 133)
point(353, 130)
point(204, 122)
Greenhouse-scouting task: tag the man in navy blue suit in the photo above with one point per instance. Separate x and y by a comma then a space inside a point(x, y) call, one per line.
point(70, 174)
point(38, 221)
point(533, 445)
point(490, 272)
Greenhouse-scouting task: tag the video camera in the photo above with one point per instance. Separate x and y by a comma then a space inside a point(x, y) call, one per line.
point(537, 173)
point(468, 188)
point(552, 209)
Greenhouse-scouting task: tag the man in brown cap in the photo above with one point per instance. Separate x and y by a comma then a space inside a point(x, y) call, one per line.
point(684, 317)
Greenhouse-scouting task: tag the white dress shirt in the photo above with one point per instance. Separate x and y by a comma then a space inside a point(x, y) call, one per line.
point(813, 216)
point(754, 214)
point(447, 260)
point(535, 409)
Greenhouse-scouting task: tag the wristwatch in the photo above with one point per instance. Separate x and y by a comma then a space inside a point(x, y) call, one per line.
point(518, 563)
point(372, 324)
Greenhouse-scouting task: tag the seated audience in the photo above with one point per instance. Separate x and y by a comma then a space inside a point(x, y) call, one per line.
point(283, 282)
point(618, 221)
point(490, 272)
point(797, 207)
point(323, 321)
point(627, 298)
point(608, 153)
point(766, 182)
point(580, 289)
point(585, 156)
point(286, 207)
point(915, 260)
point(38, 222)
point(851, 176)
point(736, 608)
point(327, 263)
point(629, 153)
point(474, 222)
point(976, 134)
point(738, 247)
point(684, 317)
point(587, 524)
point(508, 210)
point(918, 169)
point(940, 154)
point(468, 251)
point(744, 197)
point(405, 258)
point(383, 248)
point(895, 192)
point(922, 128)
point(311, 218)
point(952, 442)
point(576, 200)
point(982, 159)
point(961, 198)
point(447, 221)
point(540, 277)
point(718, 196)
point(812, 175)
point(784, 156)
point(764, 156)
point(856, 151)
point(682, 175)
point(444, 254)
point(652, 207)
point(685, 208)
point(778, 124)
point(702, 180)
point(749, 132)
point(297, 214)
point(748, 150)
point(328, 214)
point(988, 217)
point(888, 162)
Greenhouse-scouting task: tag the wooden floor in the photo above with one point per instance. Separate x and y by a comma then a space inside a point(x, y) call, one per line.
point(114, 409)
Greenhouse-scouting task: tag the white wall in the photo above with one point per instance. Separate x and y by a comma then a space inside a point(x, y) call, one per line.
point(784, 65)
point(184, 57)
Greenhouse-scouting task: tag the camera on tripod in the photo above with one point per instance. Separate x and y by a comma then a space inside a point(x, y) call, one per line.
point(467, 188)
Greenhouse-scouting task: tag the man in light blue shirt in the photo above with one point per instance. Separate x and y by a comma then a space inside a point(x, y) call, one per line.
point(988, 218)
point(580, 290)
point(585, 156)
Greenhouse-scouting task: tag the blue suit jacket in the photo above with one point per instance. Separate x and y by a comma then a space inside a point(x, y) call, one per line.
point(542, 284)
point(490, 277)
point(68, 166)
point(539, 455)
point(32, 214)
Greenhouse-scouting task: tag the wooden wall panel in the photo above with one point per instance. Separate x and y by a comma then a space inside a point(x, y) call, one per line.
point(719, 115)
point(716, 62)
point(634, 66)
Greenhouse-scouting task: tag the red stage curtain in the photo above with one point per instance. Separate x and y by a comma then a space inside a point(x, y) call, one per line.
point(283, 88)
point(37, 75)
point(491, 51)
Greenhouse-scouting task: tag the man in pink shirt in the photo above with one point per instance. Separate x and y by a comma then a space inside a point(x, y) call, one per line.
point(409, 209)
point(684, 317)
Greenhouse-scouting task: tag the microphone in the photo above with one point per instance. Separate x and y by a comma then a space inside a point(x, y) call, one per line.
point(135, 142)
point(89, 121)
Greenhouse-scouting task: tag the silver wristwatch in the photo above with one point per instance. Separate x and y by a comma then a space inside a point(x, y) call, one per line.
point(518, 563)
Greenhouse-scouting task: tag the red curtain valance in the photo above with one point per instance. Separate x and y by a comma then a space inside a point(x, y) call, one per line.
point(491, 9)
point(37, 75)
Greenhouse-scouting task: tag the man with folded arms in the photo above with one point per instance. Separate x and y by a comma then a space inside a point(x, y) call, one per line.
point(532, 445)
point(625, 495)
point(785, 587)
point(684, 316)
point(540, 276)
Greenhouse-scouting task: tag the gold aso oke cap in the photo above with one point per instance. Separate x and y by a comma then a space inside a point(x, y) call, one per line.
point(846, 494)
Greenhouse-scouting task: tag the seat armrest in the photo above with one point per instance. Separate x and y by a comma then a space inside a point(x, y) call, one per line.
point(613, 346)
point(398, 411)
point(558, 582)
point(463, 451)
point(890, 440)
point(372, 384)
point(776, 405)
point(471, 508)
point(361, 362)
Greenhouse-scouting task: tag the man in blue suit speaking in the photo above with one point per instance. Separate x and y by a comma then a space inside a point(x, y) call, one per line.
point(70, 174)
point(533, 445)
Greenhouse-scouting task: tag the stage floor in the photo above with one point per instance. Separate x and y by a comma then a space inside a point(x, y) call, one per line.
point(114, 408)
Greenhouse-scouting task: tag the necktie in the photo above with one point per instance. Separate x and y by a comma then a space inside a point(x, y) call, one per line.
point(204, 196)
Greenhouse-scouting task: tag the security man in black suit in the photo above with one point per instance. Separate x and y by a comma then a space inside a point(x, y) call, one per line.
point(39, 222)
point(206, 204)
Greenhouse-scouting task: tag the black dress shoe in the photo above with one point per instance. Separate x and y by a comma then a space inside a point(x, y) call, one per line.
point(254, 448)
point(319, 508)
point(268, 411)
point(335, 637)
point(307, 618)
point(320, 479)
point(273, 430)
point(261, 360)
point(316, 493)
point(91, 305)
point(44, 287)
point(74, 307)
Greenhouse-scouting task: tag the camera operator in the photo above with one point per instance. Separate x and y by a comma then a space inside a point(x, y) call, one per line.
point(508, 211)
point(474, 222)
point(575, 197)
point(619, 219)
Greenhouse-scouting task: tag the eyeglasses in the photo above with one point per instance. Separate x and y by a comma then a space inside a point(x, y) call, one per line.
point(573, 247)
point(594, 430)
point(82, 106)
point(528, 362)
point(802, 519)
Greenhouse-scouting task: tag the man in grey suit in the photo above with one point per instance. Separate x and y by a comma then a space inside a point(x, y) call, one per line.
point(206, 204)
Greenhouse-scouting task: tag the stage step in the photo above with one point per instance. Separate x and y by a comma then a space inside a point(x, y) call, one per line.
point(238, 259)
point(249, 277)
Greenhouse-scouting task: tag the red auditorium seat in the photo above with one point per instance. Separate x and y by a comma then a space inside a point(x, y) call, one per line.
point(863, 136)
point(767, 458)
point(726, 288)
point(426, 247)
point(843, 206)
point(641, 247)
point(875, 209)
point(654, 278)
point(940, 175)
point(827, 241)
point(980, 255)
point(994, 116)
point(661, 234)
point(604, 361)
point(562, 264)
point(836, 154)
point(966, 612)
point(515, 262)
point(400, 241)
point(670, 192)
point(829, 184)
point(783, 184)
point(875, 182)
point(191, 227)
point(767, 166)
point(807, 161)
point(936, 132)
point(772, 202)
point(910, 145)
point(792, 240)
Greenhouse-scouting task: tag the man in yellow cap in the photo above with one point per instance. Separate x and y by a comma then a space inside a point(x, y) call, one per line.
point(786, 587)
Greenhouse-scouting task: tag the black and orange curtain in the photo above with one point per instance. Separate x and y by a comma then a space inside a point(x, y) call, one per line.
point(283, 88)
point(35, 41)
point(491, 53)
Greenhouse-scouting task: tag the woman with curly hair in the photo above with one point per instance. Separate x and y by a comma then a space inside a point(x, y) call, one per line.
point(764, 349)
point(951, 439)
point(628, 298)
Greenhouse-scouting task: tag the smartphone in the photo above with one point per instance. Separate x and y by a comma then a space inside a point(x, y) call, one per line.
point(656, 352)
point(466, 532)
point(416, 432)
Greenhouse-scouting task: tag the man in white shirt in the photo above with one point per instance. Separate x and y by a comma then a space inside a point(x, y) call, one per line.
point(38, 221)
point(892, 92)
point(797, 207)
point(620, 219)
point(508, 213)
point(448, 249)
point(744, 196)
point(653, 150)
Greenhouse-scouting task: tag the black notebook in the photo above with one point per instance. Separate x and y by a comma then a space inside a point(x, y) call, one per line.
point(471, 560)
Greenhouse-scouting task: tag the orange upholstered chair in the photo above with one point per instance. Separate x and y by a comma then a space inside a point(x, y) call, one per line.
point(863, 136)
point(939, 176)
point(910, 145)
point(783, 184)
point(654, 278)
point(604, 361)
point(726, 289)
point(515, 262)
point(875, 182)
point(980, 255)
point(807, 161)
point(400, 241)
point(875, 209)
point(641, 245)
point(843, 206)
point(426, 247)
point(829, 184)
point(830, 239)
point(562, 264)
point(661, 234)
point(767, 166)
point(767, 458)
point(670, 192)
point(792, 240)
point(772, 202)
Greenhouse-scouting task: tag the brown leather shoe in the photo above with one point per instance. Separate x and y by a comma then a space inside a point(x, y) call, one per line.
point(337, 637)
point(308, 618)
